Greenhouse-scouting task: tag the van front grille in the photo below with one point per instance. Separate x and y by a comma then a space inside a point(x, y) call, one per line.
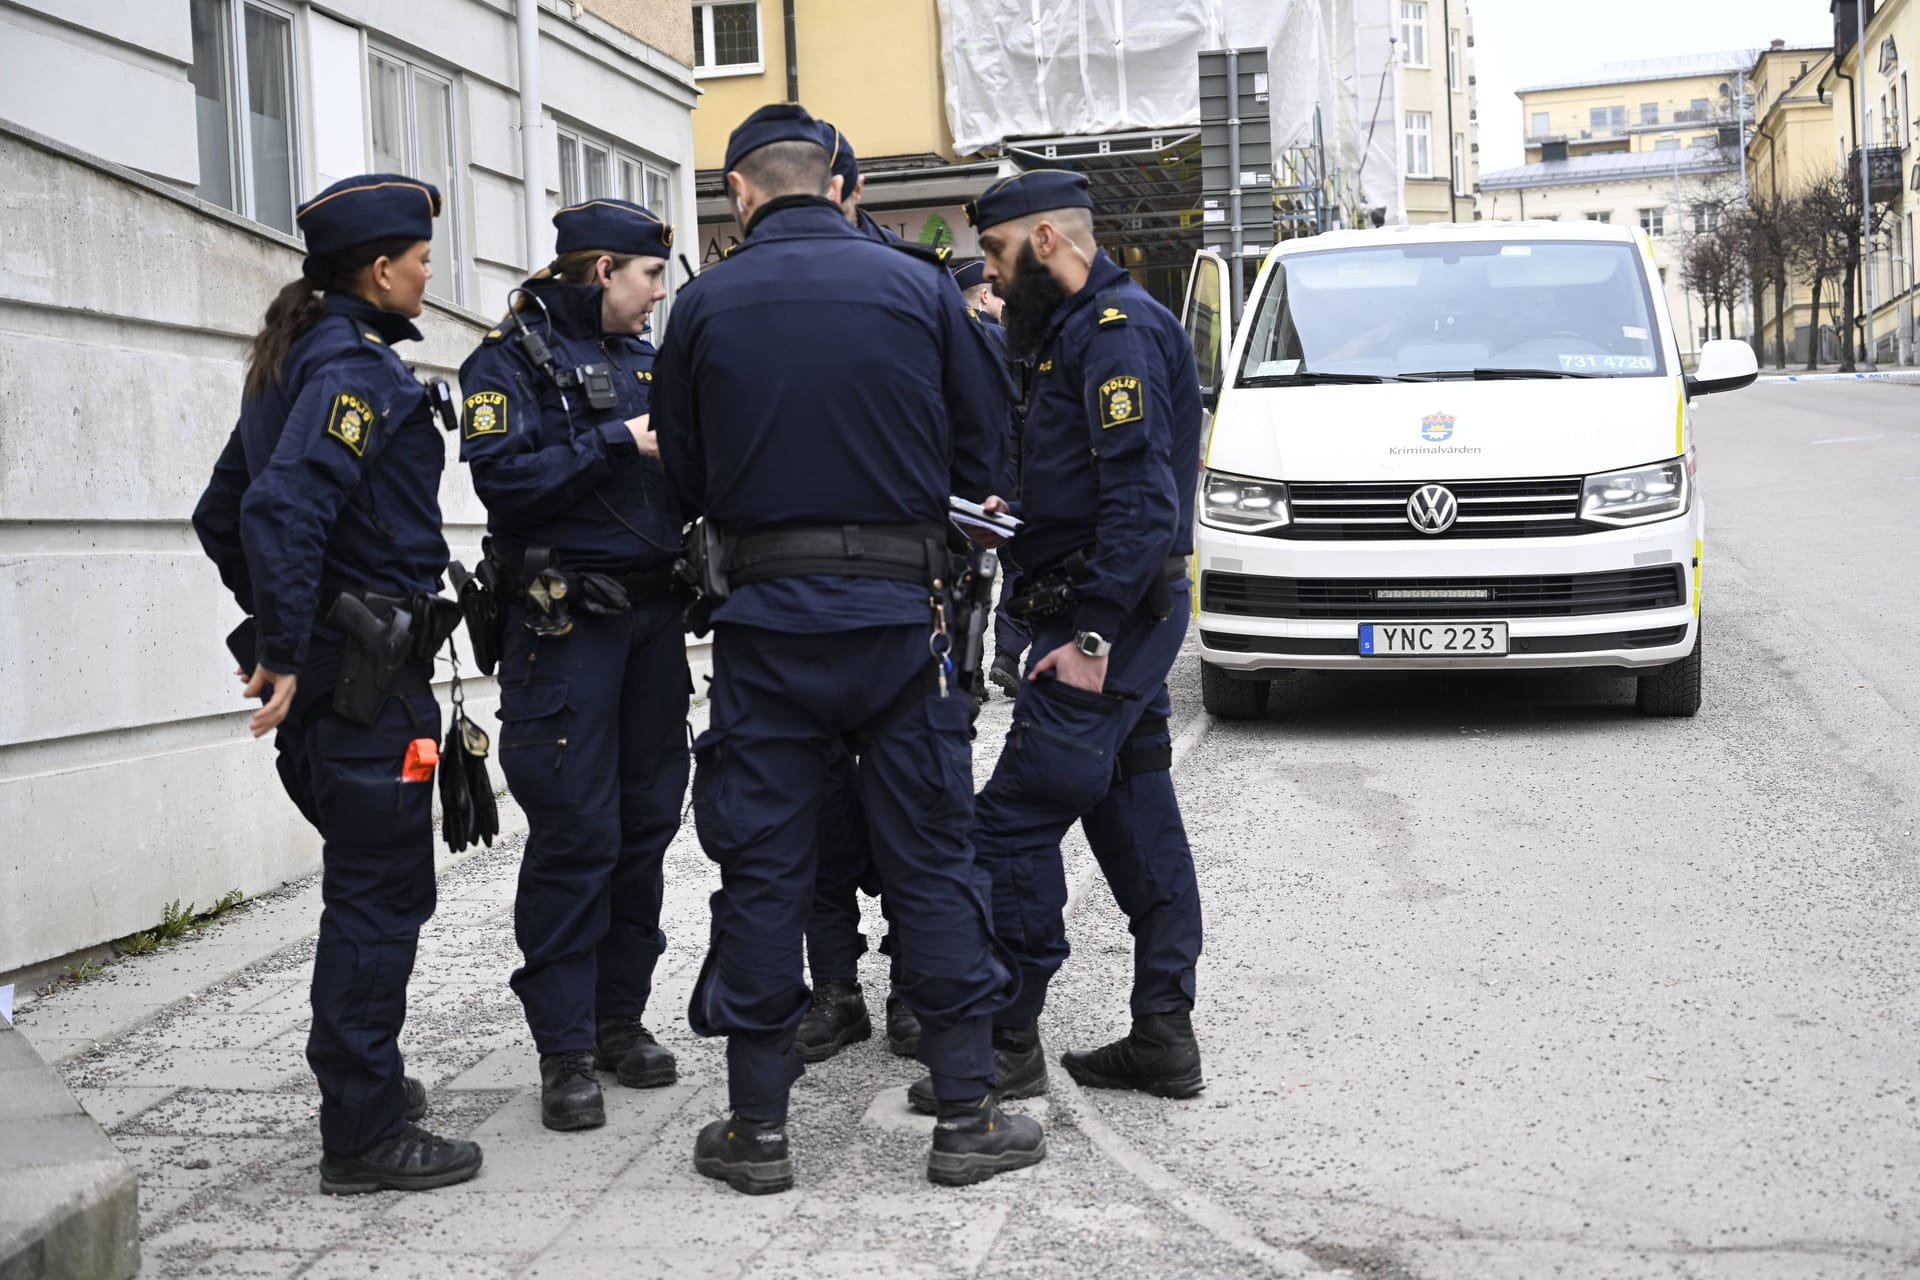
point(1488, 509)
point(1559, 595)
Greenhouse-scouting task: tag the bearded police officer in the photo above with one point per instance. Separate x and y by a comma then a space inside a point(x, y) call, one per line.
point(1109, 456)
point(817, 400)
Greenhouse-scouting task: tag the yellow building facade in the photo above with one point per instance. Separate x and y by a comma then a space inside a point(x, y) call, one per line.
point(1440, 151)
point(1658, 104)
point(1878, 86)
point(1791, 145)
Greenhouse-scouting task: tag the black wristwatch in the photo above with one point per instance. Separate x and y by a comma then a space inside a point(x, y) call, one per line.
point(1092, 643)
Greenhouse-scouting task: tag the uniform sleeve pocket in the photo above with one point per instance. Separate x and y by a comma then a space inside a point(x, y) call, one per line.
point(535, 724)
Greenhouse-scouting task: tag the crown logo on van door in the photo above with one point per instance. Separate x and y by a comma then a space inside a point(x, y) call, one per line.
point(1436, 427)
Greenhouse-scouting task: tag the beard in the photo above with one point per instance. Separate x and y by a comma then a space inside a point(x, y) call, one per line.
point(1030, 300)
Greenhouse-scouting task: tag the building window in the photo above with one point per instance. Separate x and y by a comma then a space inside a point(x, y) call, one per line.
point(1906, 122)
point(1600, 217)
point(1649, 113)
point(1419, 144)
point(1707, 140)
point(726, 39)
point(1459, 170)
point(1542, 124)
point(243, 109)
point(1705, 218)
point(1886, 122)
point(1666, 144)
point(1413, 32)
point(1699, 109)
point(1604, 120)
point(1453, 61)
point(411, 110)
point(1653, 221)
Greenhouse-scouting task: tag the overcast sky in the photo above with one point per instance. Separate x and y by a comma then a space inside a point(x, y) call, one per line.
point(1526, 42)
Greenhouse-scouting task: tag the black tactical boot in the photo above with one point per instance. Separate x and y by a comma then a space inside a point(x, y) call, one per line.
point(411, 1160)
point(416, 1092)
point(836, 1018)
point(625, 1047)
point(903, 1028)
point(1159, 1056)
point(1005, 673)
point(569, 1093)
point(974, 1140)
point(747, 1156)
point(1019, 1071)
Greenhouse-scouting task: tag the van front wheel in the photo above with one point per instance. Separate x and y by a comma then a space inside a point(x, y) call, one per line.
point(1674, 690)
point(1230, 697)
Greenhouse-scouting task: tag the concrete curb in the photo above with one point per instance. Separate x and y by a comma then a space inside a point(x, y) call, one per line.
point(69, 1202)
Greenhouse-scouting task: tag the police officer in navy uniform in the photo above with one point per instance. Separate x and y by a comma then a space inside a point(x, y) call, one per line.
point(1109, 460)
point(329, 487)
point(593, 683)
point(818, 399)
point(1010, 635)
point(838, 1016)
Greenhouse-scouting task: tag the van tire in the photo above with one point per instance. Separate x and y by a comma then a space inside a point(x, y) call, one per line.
point(1230, 697)
point(1673, 690)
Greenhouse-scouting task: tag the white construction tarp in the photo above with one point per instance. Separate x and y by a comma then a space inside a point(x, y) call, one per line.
point(1064, 68)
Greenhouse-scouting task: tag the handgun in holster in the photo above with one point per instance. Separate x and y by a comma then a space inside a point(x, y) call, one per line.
point(701, 572)
point(377, 649)
point(973, 616)
point(545, 594)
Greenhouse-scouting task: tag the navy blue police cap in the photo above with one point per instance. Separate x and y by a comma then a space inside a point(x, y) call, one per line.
point(775, 122)
point(612, 226)
point(840, 153)
point(373, 206)
point(1020, 194)
point(969, 274)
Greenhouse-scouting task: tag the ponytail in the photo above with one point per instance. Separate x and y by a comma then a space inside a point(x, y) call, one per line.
point(299, 305)
point(575, 267)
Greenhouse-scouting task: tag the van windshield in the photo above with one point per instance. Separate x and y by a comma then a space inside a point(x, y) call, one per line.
point(1478, 309)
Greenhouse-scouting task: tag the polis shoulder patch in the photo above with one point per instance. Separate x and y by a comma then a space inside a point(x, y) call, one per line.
point(1121, 402)
point(1111, 315)
point(485, 415)
point(351, 422)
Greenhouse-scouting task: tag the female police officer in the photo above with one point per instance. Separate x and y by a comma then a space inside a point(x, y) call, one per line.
point(328, 489)
point(593, 669)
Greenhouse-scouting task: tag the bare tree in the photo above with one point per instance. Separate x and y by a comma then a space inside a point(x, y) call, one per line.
point(1712, 270)
point(1827, 244)
point(1762, 235)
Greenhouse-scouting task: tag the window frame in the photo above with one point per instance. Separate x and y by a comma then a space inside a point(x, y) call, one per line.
point(1653, 221)
point(451, 201)
point(1649, 113)
point(1455, 67)
point(1413, 19)
point(1535, 118)
point(1459, 158)
point(1425, 137)
point(703, 13)
point(240, 166)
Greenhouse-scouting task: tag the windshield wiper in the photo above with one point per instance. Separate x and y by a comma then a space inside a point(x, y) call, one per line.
point(1310, 378)
point(1490, 375)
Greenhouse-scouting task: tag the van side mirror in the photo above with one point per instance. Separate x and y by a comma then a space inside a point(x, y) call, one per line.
point(1209, 398)
point(1725, 365)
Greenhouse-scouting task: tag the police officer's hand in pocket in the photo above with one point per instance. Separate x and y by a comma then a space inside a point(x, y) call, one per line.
point(269, 716)
point(643, 438)
point(1073, 668)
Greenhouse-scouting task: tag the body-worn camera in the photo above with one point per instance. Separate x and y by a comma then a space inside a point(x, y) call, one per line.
point(594, 381)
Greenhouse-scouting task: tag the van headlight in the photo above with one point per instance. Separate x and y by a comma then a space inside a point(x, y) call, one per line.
point(1241, 504)
point(1639, 496)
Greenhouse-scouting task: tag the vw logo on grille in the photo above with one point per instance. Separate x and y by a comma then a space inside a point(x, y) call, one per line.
point(1432, 509)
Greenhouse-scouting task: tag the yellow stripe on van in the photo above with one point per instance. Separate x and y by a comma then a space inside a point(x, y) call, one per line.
point(1699, 547)
point(1680, 419)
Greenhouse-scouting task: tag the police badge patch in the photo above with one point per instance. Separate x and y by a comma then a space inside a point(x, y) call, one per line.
point(1121, 402)
point(352, 419)
point(486, 415)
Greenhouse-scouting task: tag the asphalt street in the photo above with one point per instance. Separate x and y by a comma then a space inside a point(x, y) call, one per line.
point(1505, 981)
point(1502, 982)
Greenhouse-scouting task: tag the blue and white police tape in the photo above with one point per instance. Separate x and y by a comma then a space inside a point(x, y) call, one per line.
point(1840, 377)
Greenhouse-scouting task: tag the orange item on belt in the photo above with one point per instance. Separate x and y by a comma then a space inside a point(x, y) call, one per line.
point(422, 755)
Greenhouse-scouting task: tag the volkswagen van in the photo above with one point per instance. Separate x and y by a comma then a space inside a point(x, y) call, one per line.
point(1451, 446)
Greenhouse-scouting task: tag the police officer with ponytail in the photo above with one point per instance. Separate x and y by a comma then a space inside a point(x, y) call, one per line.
point(323, 517)
point(593, 676)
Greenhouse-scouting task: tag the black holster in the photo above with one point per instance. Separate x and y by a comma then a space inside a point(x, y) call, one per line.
point(484, 606)
point(700, 575)
point(390, 643)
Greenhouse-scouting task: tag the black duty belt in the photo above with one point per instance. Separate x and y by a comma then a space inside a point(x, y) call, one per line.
point(899, 553)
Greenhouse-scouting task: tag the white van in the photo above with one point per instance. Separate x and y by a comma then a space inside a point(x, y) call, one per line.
point(1450, 446)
